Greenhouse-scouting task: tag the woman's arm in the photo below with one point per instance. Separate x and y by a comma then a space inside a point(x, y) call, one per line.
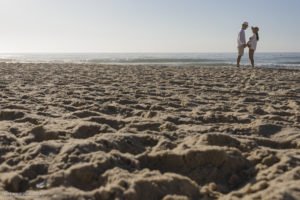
point(248, 44)
point(251, 39)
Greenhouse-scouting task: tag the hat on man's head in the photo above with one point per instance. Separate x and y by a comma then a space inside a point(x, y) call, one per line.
point(245, 23)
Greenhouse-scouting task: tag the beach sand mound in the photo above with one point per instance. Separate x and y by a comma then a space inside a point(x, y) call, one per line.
point(145, 184)
point(72, 131)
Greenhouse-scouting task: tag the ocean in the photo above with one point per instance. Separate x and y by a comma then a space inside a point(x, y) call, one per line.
point(267, 60)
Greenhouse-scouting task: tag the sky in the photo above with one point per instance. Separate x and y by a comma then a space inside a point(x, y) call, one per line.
point(145, 25)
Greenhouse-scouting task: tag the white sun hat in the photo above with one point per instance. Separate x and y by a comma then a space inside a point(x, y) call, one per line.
point(245, 23)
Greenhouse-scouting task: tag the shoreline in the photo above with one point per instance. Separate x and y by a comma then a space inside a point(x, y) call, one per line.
point(262, 60)
point(231, 66)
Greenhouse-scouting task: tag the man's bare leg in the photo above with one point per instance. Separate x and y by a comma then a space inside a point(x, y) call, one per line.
point(238, 61)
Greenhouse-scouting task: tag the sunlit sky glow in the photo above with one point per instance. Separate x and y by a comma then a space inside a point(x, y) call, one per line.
point(145, 25)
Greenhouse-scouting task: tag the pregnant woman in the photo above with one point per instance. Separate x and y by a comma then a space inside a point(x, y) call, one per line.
point(252, 44)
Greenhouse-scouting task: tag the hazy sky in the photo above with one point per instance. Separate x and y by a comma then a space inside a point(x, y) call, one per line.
point(145, 25)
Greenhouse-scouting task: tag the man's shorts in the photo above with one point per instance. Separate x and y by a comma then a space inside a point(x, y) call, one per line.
point(241, 51)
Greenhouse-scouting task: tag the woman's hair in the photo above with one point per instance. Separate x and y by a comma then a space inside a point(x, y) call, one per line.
point(257, 36)
point(255, 30)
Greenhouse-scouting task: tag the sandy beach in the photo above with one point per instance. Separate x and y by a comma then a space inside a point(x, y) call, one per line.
point(79, 131)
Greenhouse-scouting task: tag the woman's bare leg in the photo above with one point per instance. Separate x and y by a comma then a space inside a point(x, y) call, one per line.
point(251, 56)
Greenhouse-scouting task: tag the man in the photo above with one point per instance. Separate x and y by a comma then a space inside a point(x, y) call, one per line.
point(241, 43)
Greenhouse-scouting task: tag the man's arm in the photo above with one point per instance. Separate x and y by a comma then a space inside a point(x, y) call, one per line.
point(243, 38)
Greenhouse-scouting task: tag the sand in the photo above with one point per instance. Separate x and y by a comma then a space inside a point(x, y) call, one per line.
point(75, 131)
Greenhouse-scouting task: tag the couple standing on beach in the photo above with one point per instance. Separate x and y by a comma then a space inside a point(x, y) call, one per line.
point(251, 44)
